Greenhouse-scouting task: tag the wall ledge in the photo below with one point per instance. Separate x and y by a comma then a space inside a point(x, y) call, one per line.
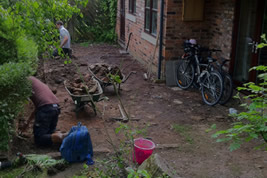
point(131, 17)
point(151, 39)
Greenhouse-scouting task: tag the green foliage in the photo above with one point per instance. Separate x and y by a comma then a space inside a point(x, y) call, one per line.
point(250, 124)
point(264, 41)
point(138, 174)
point(130, 133)
point(32, 165)
point(115, 165)
point(15, 46)
point(68, 61)
point(115, 78)
point(18, 60)
point(15, 172)
point(27, 28)
point(183, 131)
point(43, 161)
point(37, 18)
point(99, 22)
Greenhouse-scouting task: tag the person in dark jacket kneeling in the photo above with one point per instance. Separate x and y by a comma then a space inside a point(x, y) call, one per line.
point(46, 114)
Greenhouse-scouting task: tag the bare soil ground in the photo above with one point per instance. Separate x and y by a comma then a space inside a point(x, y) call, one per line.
point(174, 116)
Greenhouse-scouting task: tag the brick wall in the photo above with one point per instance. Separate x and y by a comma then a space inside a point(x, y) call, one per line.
point(220, 17)
point(178, 31)
point(214, 31)
point(141, 48)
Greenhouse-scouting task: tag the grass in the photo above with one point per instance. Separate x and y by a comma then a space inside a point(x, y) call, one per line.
point(183, 130)
point(17, 172)
point(33, 165)
point(85, 44)
point(11, 172)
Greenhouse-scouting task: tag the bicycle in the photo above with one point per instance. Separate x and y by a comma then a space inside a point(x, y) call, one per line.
point(227, 79)
point(209, 80)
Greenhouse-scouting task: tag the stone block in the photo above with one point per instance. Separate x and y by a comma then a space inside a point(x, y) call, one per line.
point(156, 166)
point(170, 72)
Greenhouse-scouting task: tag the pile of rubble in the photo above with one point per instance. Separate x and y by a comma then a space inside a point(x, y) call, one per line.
point(102, 70)
point(82, 86)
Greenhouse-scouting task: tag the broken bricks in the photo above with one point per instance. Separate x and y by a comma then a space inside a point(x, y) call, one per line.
point(101, 70)
point(79, 88)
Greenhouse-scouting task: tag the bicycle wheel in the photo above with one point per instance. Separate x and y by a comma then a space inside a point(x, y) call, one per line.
point(185, 73)
point(212, 88)
point(227, 89)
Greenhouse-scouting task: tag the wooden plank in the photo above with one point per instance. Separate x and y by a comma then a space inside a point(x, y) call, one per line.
point(193, 10)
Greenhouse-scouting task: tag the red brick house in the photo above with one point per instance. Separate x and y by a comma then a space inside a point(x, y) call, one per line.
point(234, 26)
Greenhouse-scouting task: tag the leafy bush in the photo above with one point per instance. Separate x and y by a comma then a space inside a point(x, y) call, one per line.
point(99, 22)
point(26, 28)
point(14, 90)
point(18, 60)
point(37, 18)
point(250, 124)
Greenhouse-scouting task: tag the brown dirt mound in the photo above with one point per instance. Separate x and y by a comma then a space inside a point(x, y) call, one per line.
point(82, 87)
point(102, 71)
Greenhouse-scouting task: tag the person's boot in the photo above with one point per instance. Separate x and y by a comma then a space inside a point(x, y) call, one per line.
point(57, 137)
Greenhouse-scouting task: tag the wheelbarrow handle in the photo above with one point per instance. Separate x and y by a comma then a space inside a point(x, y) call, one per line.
point(103, 98)
point(126, 78)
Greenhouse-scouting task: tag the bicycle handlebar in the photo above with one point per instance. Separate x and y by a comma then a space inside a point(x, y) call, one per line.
point(210, 50)
point(224, 61)
point(195, 48)
point(216, 50)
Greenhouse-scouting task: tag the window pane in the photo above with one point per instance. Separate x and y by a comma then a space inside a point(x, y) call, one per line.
point(147, 20)
point(147, 3)
point(134, 6)
point(154, 23)
point(130, 6)
point(155, 4)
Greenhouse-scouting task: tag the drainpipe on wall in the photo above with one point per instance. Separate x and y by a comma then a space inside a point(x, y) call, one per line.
point(160, 38)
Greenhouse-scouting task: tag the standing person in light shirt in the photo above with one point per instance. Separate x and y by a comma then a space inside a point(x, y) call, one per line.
point(64, 40)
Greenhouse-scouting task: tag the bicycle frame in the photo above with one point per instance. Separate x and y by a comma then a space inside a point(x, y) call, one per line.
point(194, 70)
point(196, 62)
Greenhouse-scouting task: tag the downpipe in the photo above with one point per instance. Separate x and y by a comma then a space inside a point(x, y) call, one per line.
point(160, 38)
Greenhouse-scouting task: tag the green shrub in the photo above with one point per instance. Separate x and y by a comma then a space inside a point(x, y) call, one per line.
point(27, 28)
point(37, 18)
point(15, 90)
point(18, 61)
point(99, 23)
point(250, 124)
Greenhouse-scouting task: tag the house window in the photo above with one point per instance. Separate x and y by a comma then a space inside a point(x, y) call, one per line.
point(151, 10)
point(132, 6)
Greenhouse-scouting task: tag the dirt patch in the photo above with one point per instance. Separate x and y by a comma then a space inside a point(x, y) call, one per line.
point(170, 116)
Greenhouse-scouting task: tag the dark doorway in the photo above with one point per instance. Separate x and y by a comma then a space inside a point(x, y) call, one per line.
point(251, 22)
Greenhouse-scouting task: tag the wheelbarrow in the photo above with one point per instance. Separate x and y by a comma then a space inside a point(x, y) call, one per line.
point(81, 100)
point(104, 84)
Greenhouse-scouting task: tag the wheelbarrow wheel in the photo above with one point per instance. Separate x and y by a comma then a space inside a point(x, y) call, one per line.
point(94, 107)
point(79, 106)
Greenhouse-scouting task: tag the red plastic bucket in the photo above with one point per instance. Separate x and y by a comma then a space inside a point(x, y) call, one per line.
point(143, 148)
